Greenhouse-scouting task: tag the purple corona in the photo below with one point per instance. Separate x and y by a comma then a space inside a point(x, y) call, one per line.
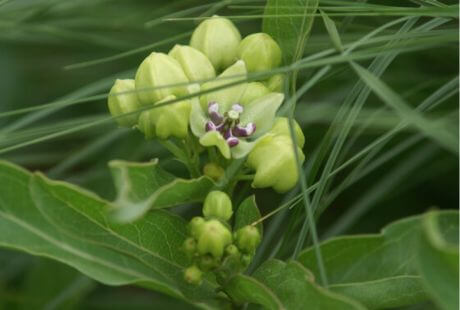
point(228, 125)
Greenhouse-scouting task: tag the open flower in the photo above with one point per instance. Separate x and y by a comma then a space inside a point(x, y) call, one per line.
point(220, 119)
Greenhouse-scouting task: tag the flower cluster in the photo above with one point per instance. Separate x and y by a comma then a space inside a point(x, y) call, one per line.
point(211, 246)
point(228, 114)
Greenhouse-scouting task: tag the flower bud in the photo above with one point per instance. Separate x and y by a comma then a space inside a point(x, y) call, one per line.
point(232, 250)
point(169, 120)
point(253, 91)
point(218, 205)
point(274, 161)
point(231, 264)
point(155, 72)
point(214, 171)
point(275, 83)
point(260, 52)
point(195, 64)
point(123, 99)
point(213, 239)
point(218, 39)
point(189, 247)
point(281, 127)
point(195, 226)
point(246, 259)
point(248, 238)
point(207, 262)
point(193, 275)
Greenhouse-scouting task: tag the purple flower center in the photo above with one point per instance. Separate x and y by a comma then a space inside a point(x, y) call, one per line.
point(228, 125)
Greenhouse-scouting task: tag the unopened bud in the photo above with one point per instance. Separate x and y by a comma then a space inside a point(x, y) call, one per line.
point(248, 238)
point(253, 91)
point(275, 83)
point(213, 171)
point(195, 226)
point(169, 120)
point(218, 205)
point(122, 100)
point(193, 275)
point(281, 127)
point(232, 250)
point(153, 76)
point(195, 64)
point(208, 262)
point(218, 39)
point(260, 52)
point(214, 238)
point(189, 247)
point(246, 259)
point(275, 164)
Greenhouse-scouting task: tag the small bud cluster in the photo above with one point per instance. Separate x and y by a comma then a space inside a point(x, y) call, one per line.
point(212, 246)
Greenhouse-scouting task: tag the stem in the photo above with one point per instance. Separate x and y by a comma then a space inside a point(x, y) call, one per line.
point(183, 157)
point(246, 177)
point(174, 149)
point(193, 156)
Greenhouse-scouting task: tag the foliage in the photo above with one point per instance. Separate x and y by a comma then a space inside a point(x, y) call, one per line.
point(371, 224)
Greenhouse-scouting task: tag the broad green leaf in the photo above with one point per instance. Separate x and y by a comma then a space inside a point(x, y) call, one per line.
point(65, 223)
point(438, 259)
point(378, 270)
point(247, 213)
point(295, 286)
point(332, 30)
point(289, 286)
point(145, 186)
point(242, 288)
point(289, 22)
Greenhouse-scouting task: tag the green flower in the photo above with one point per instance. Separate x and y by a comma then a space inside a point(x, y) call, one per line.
point(247, 239)
point(195, 226)
point(166, 121)
point(193, 275)
point(194, 63)
point(273, 158)
point(189, 247)
point(260, 52)
point(281, 127)
point(218, 205)
point(213, 171)
point(219, 119)
point(123, 99)
point(214, 238)
point(275, 83)
point(218, 39)
point(253, 91)
point(153, 75)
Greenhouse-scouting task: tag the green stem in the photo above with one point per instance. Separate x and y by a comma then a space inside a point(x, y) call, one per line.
point(245, 177)
point(174, 149)
point(193, 156)
point(183, 157)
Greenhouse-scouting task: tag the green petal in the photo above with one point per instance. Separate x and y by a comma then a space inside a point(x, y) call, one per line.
point(262, 112)
point(227, 96)
point(214, 138)
point(198, 118)
point(243, 148)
